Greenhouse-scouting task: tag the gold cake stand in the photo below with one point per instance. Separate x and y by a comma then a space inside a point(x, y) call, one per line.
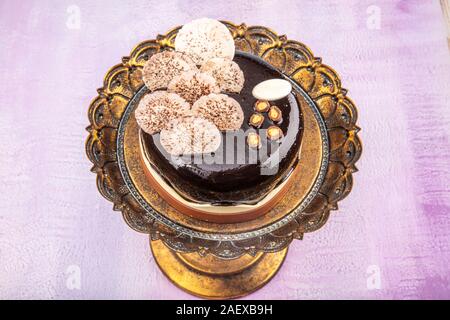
point(227, 260)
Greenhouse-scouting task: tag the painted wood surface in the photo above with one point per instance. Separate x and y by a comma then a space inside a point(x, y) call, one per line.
point(390, 238)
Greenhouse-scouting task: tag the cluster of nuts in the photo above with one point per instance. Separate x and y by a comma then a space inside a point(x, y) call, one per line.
point(274, 133)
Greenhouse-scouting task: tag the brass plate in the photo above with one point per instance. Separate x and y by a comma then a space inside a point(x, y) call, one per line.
point(305, 176)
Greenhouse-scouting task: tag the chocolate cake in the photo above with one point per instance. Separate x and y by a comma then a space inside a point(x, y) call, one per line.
point(260, 139)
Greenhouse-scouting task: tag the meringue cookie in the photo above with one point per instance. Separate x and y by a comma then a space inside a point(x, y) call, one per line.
point(227, 73)
point(190, 135)
point(162, 67)
point(192, 85)
point(222, 110)
point(204, 39)
point(156, 109)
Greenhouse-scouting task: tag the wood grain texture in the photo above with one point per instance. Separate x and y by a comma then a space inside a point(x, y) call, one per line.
point(396, 220)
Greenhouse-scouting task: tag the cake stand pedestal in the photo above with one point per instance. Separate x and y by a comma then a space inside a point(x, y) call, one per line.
point(215, 278)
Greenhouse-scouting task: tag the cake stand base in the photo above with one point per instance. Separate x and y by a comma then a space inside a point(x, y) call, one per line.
point(214, 278)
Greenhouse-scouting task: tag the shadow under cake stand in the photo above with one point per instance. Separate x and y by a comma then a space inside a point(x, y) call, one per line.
point(227, 260)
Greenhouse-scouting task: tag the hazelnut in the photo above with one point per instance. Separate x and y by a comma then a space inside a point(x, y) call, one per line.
point(262, 106)
point(253, 140)
point(256, 120)
point(274, 133)
point(275, 114)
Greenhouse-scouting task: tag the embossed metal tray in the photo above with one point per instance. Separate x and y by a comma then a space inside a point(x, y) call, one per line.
point(330, 145)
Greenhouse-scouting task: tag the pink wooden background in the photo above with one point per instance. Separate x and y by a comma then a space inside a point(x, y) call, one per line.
point(390, 238)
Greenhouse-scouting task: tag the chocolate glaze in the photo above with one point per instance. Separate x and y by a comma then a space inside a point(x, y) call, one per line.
point(239, 182)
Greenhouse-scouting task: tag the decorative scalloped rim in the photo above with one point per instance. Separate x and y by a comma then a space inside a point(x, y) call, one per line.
point(221, 236)
point(278, 237)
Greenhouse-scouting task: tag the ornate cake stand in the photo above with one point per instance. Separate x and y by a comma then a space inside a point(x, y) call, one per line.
point(228, 260)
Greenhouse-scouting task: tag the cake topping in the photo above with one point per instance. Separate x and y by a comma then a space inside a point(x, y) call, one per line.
point(275, 114)
point(273, 89)
point(190, 135)
point(162, 67)
point(204, 39)
point(256, 120)
point(237, 173)
point(254, 140)
point(262, 106)
point(227, 73)
point(222, 110)
point(192, 85)
point(274, 133)
point(156, 109)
